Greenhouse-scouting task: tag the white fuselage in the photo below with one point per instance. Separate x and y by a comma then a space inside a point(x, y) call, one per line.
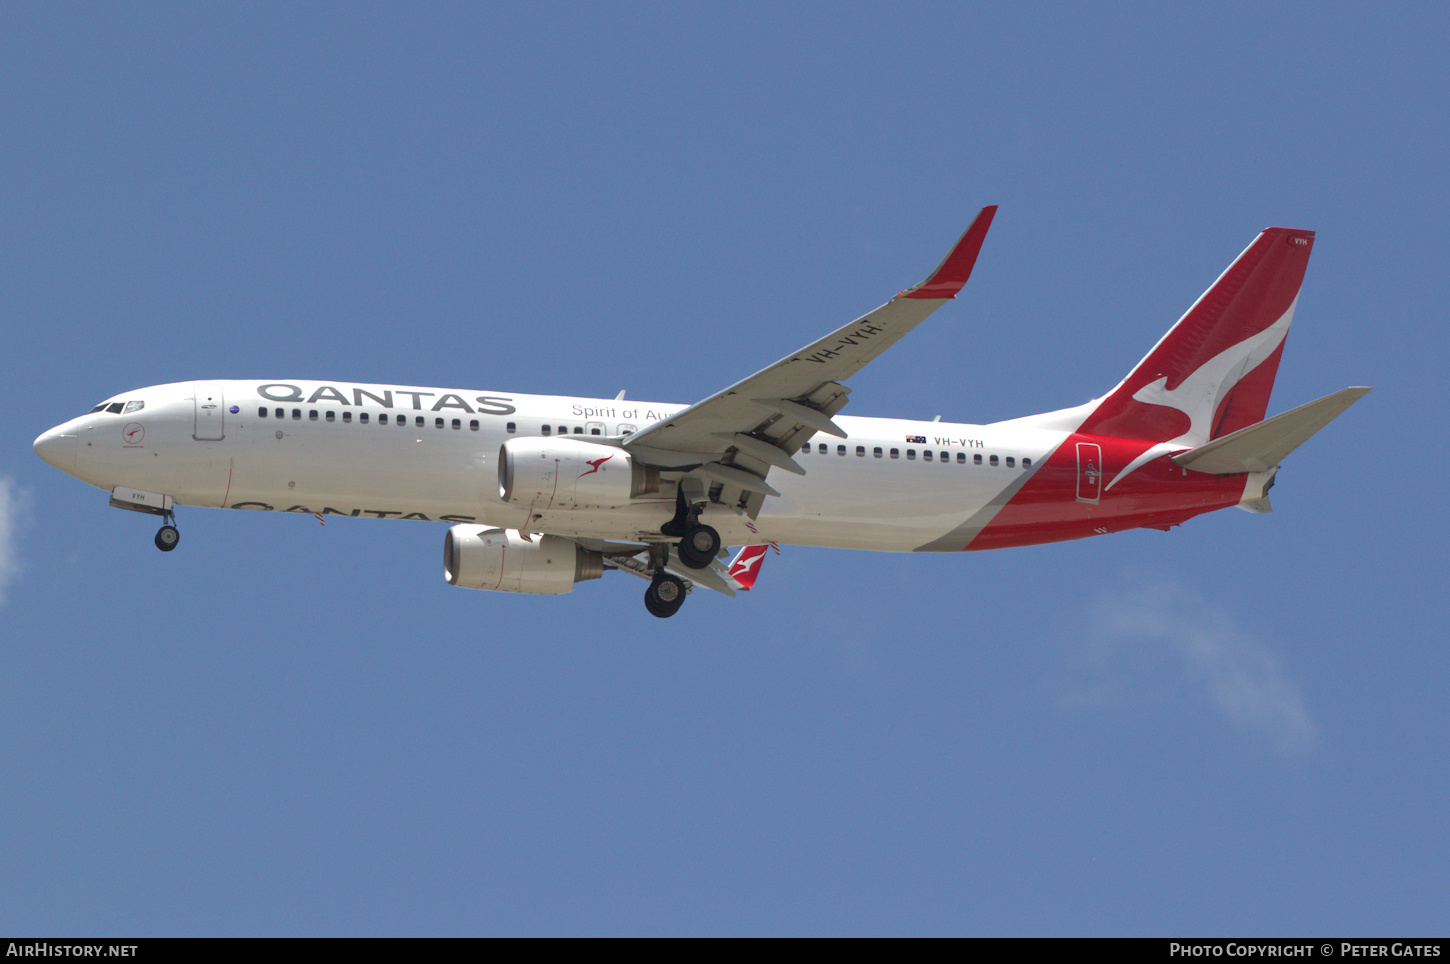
point(383, 451)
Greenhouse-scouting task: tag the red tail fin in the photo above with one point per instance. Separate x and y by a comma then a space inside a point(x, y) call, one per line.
point(1213, 372)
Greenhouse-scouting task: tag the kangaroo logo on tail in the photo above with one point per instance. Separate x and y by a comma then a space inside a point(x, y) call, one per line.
point(1213, 372)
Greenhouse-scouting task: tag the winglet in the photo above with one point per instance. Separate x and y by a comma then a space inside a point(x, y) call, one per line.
point(746, 566)
point(956, 267)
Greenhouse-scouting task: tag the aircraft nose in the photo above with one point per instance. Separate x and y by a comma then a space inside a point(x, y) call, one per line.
point(59, 450)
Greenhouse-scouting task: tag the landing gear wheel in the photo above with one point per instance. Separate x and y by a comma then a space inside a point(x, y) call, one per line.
point(665, 595)
point(167, 537)
point(698, 546)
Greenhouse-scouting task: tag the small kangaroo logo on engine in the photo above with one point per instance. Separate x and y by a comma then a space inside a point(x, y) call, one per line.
point(596, 463)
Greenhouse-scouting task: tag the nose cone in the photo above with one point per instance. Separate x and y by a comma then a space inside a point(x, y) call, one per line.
point(59, 450)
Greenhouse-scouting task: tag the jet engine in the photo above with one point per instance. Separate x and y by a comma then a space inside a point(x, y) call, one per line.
point(570, 473)
point(477, 557)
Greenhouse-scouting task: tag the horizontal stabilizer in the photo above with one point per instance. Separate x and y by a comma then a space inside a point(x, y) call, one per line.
point(1264, 445)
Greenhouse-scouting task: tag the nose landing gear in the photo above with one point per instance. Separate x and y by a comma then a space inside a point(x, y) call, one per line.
point(167, 537)
point(151, 503)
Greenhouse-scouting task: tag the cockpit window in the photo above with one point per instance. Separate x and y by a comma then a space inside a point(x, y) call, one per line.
point(114, 408)
point(134, 405)
point(98, 408)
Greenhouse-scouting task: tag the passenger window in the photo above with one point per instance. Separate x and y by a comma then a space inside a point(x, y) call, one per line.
point(626, 430)
point(860, 451)
point(578, 430)
point(977, 459)
point(945, 456)
point(876, 451)
point(362, 417)
point(279, 413)
point(1011, 462)
point(458, 424)
point(262, 412)
point(1027, 463)
point(330, 415)
point(993, 460)
point(473, 425)
point(347, 416)
point(806, 449)
point(114, 408)
point(383, 419)
point(297, 414)
point(925, 455)
point(419, 422)
point(840, 450)
point(910, 454)
point(438, 423)
point(961, 458)
point(545, 430)
point(511, 427)
point(312, 415)
point(563, 430)
point(896, 453)
point(135, 405)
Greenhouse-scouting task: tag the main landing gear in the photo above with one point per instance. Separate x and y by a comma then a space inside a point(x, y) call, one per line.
point(168, 535)
point(666, 592)
point(696, 549)
point(698, 543)
point(699, 546)
point(665, 595)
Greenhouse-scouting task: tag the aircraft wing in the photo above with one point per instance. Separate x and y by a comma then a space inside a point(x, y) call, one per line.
point(734, 437)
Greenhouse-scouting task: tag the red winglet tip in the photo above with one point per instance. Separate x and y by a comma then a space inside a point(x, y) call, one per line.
point(746, 566)
point(956, 267)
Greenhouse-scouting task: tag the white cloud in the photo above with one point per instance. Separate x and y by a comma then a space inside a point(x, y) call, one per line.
point(12, 504)
point(1152, 633)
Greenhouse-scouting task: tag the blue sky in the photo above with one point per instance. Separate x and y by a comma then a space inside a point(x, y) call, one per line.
point(1238, 727)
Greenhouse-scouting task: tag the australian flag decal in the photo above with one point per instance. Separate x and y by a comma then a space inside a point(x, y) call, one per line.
point(916, 440)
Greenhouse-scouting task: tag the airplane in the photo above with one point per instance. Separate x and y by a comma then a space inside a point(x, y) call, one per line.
point(544, 492)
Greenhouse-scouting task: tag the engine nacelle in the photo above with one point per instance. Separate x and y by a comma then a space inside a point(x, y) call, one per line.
point(570, 473)
point(500, 560)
